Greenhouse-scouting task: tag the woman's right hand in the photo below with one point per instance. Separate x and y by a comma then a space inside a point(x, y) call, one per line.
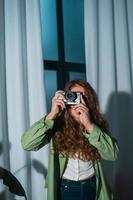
point(58, 105)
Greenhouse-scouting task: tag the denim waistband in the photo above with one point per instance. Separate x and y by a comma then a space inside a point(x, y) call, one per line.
point(92, 179)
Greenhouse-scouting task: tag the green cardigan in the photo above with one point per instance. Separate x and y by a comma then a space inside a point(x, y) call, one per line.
point(40, 133)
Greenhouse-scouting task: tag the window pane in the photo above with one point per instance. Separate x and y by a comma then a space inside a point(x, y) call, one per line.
point(50, 81)
point(77, 75)
point(49, 29)
point(73, 20)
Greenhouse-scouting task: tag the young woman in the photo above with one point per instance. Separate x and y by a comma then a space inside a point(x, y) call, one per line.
point(79, 139)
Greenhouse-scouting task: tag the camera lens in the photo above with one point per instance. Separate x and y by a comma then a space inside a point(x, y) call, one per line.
point(71, 96)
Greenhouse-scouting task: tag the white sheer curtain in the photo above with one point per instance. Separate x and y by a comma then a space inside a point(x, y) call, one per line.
point(22, 96)
point(109, 61)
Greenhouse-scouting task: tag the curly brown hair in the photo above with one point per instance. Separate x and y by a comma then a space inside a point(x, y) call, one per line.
point(69, 138)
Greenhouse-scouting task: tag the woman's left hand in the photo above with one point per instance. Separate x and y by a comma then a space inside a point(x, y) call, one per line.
point(82, 113)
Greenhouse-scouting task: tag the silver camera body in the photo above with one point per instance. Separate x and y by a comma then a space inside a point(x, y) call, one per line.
point(72, 98)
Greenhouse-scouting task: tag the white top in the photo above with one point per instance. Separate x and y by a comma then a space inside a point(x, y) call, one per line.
point(78, 169)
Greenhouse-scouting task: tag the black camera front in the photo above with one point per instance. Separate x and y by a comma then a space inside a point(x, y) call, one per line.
point(72, 98)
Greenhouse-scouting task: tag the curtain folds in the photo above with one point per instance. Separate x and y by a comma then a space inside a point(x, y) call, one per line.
point(109, 67)
point(22, 94)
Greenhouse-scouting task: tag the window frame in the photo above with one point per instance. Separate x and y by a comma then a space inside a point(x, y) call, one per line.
point(62, 67)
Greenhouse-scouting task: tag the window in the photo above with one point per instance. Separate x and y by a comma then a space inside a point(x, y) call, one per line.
point(63, 42)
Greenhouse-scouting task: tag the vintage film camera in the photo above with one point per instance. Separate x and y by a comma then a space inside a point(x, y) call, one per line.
point(72, 98)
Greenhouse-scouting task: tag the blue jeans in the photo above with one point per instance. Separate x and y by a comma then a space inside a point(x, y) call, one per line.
point(77, 190)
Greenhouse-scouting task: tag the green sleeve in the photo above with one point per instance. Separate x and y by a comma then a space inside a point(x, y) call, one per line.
point(106, 145)
point(37, 135)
